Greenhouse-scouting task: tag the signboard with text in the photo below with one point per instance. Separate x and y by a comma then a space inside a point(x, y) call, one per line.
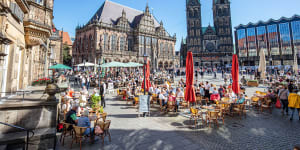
point(144, 103)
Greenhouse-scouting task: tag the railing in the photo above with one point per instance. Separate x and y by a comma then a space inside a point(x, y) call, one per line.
point(23, 129)
point(22, 92)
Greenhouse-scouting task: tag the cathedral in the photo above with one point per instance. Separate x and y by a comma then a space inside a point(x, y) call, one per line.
point(212, 46)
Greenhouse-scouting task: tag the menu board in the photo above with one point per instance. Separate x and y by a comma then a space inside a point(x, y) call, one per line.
point(144, 102)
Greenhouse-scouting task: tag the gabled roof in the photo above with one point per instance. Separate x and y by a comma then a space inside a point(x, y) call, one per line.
point(66, 38)
point(110, 12)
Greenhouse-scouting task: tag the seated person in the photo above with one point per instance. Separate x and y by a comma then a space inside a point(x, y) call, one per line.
point(215, 91)
point(70, 92)
point(163, 97)
point(241, 99)
point(66, 107)
point(71, 116)
point(151, 90)
point(271, 95)
point(84, 121)
point(172, 96)
point(84, 91)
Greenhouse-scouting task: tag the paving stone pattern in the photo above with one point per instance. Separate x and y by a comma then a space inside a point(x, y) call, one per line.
point(261, 131)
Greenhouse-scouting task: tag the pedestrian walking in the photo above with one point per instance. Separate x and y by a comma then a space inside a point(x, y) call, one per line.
point(283, 96)
point(88, 81)
point(294, 103)
point(102, 93)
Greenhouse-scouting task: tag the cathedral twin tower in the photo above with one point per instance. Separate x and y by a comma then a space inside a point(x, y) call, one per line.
point(209, 42)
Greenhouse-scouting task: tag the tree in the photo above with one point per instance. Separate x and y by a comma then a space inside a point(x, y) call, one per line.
point(67, 58)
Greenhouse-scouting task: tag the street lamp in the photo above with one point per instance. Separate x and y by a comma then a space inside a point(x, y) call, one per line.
point(145, 63)
point(72, 63)
point(99, 62)
point(173, 67)
point(84, 65)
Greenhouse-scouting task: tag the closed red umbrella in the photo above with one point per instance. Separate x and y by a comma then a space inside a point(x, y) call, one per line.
point(148, 84)
point(235, 74)
point(190, 90)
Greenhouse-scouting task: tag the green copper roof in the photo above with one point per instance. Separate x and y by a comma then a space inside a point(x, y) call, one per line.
point(205, 28)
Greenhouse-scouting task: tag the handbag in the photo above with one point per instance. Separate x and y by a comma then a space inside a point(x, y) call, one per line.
point(278, 104)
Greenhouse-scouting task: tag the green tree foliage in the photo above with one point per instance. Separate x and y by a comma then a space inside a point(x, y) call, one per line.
point(67, 58)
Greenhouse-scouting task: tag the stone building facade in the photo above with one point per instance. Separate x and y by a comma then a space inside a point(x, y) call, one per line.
point(25, 28)
point(56, 47)
point(123, 34)
point(212, 45)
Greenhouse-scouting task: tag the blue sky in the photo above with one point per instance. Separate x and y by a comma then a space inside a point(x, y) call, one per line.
point(69, 13)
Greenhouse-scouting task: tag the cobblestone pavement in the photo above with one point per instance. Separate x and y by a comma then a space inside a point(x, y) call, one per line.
point(261, 131)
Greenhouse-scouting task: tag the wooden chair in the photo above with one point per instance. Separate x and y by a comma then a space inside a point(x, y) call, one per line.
point(266, 104)
point(136, 99)
point(102, 115)
point(78, 134)
point(105, 128)
point(254, 101)
point(184, 104)
point(213, 116)
point(240, 110)
point(66, 132)
point(154, 98)
point(221, 114)
point(225, 108)
point(161, 104)
point(198, 100)
point(195, 115)
point(171, 106)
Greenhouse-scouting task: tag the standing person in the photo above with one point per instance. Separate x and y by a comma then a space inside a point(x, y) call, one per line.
point(88, 80)
point(294, 103)
point(283, 96)
point(83, 80)
point(102, 93)
point(207, 88)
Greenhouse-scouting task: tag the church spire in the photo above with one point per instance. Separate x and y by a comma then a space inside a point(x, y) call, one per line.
point(123, 13)
point(147, 12)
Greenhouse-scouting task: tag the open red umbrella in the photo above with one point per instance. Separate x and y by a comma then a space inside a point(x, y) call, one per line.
point(190, 91)
point(235, 74)
point(148, 84)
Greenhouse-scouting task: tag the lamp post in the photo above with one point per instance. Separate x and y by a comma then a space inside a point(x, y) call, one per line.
point(84, 65)
point(173, 67)
point(72, 63)
point(99, 62)
point(145, 63)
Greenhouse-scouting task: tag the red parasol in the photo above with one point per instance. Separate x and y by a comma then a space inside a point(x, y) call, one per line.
point(148, 84)
point(235, 74)
point(190, 90)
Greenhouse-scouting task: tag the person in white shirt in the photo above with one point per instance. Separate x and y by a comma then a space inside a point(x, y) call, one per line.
point(163, 98)
point(207, 88)
point(157, 90)
point(66, 106)
point(167, 86)
point(151, 90)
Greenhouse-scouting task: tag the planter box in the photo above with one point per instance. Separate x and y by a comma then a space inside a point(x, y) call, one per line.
point(252, 83)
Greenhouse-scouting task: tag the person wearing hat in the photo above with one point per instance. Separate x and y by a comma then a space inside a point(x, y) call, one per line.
point(84, 121)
